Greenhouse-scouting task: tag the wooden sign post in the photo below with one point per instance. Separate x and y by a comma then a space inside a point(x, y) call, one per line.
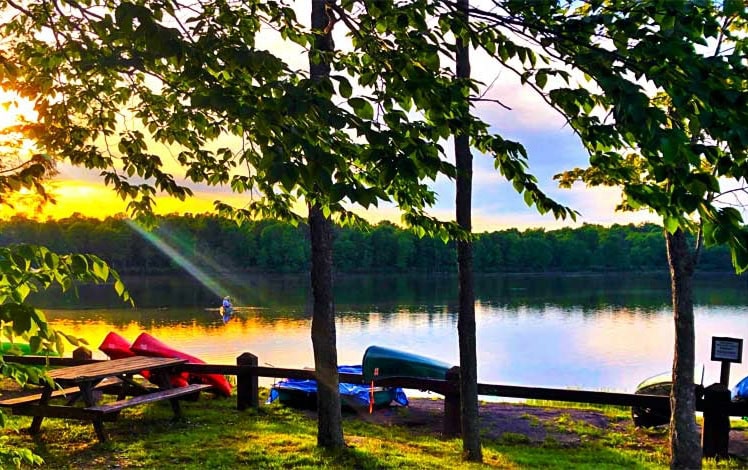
point(726, 350)
point(715, 434)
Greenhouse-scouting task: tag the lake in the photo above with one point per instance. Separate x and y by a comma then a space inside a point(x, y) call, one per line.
point(601, 332)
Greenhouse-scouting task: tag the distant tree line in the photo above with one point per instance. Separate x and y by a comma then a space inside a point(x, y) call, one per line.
point(221, 245)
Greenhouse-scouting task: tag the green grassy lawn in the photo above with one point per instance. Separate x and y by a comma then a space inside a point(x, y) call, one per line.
point(213, 435)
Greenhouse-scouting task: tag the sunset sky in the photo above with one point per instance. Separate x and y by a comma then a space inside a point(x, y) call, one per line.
point(551, 145)
point(552, 148)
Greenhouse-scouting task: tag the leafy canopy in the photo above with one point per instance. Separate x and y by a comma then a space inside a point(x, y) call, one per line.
point(117, 85)
point(663, 108)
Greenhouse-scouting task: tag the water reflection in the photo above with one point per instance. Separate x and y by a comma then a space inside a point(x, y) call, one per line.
point(601, 332)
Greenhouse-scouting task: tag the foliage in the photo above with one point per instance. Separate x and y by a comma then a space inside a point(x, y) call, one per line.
point(663, 117)
point(191, 78)
point(199, 83)
point(16, 457)
point(25, 269)
point(274, 246)
point(667, 81)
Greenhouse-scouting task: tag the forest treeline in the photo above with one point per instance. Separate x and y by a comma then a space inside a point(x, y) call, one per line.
point(220, 245)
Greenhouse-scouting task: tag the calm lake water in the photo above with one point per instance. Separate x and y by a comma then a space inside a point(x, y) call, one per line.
point(603, 332)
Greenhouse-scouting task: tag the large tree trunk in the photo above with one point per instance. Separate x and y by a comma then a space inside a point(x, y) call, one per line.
point(685, 447)
point(329, 420)
point(466, 319)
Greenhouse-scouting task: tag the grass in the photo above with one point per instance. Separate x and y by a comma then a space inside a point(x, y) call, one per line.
point(740, 424)
point(609, 410)
point(214, 435)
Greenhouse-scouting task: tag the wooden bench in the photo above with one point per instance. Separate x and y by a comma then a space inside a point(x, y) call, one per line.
point(109, 382)
point(172, 393)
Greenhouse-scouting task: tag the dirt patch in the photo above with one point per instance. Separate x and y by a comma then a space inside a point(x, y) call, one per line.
point(535, 425)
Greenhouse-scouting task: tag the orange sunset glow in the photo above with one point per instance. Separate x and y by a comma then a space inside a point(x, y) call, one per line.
point(96, 200)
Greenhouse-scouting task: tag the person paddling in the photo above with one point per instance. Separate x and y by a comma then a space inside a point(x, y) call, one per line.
point(226, 309)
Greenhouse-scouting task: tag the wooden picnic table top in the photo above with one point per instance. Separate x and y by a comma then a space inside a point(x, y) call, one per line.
point(114, 367)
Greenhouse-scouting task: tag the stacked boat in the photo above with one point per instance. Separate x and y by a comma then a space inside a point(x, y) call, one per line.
point(302, 393)
point(662, 384)
point(115, 346)
point(377, 363)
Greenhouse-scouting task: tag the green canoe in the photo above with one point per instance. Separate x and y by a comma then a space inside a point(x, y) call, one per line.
point(21, 349)
point(382, 362)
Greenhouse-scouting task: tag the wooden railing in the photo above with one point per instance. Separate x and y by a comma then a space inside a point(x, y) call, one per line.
point(714, 401)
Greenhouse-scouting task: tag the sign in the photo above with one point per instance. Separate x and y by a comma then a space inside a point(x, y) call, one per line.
point(727, 349)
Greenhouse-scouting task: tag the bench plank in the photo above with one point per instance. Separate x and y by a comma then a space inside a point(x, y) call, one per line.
point(34, 397)
point(58, 411)
point(151, 397)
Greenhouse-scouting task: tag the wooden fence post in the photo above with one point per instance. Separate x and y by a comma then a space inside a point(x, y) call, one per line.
point(247, 388)
point(452, 409)
point(82, 353)
point(715, 434)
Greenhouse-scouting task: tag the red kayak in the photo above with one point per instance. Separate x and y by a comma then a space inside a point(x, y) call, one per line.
point(147, 345)
point(117, 347)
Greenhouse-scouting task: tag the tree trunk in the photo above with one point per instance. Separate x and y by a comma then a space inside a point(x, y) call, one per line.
point(329, 419)
point(466, 320)
point(684, 437)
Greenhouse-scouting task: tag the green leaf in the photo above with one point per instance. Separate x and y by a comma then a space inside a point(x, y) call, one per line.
point(344, 87)
point(59, 344)
point(671, 224)
point(119, 287)
point(541, 78)
point(35, 344)
point(21, 318)
point(78, 265)
point(52, 260)
point(22, 291)
point(362, 108)
point(733, 7)
point(71, 339)
point(527, 196)
point(101, 270)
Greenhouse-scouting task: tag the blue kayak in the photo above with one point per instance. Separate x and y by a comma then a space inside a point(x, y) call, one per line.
point(740, 391)
point(303, 393)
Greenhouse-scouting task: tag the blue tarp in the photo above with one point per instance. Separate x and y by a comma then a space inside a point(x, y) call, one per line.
point(354, 394)
point(740, 392)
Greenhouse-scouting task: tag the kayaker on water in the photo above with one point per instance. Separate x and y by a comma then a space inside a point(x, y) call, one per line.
point(226, 309)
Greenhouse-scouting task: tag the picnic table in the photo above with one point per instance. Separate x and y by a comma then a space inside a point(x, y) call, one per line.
point(82, 380)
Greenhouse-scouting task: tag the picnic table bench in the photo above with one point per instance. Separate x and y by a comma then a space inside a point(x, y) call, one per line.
point(82, 380)
point(71, 393)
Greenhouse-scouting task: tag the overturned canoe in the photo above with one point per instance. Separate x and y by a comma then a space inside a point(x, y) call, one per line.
point(379, 362)
point(660, 384)
point(147, 345)
point(653, 416)
point(303, 393)
point(115, 347)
